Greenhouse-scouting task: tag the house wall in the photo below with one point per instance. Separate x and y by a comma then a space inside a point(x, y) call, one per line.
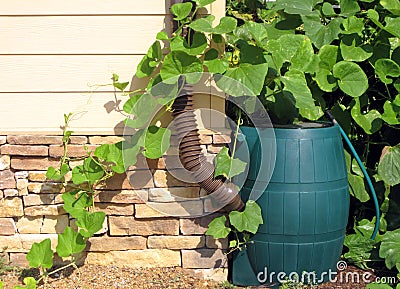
point(58, 56)
point(55, 57)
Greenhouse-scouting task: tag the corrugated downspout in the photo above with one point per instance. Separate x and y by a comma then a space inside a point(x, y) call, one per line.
point(192, 158)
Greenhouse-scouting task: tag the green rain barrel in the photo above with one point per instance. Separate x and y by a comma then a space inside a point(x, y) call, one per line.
point(305, 207)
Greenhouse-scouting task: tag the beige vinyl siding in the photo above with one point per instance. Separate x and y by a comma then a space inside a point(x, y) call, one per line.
point(56, 54)
point(86, 7)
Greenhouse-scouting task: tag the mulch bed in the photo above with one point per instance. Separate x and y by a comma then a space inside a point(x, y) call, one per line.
point(96, 277)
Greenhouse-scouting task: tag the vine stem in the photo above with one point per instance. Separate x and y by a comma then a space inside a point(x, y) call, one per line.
point(57, 270)
point(65, 138)
point(388, 91)
point(239, 122)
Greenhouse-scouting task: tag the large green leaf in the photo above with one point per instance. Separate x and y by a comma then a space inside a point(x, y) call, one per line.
point(131, 102)
point(351, 78)
point(360, 248)
point(365, 227)
point(246, 79)
point(297, 7)
point(162, 35)
point(393, 26)
point(142, 109)
point(391, 5)
point(275, 29)
point(78, 175)
point(227, 166)
point(389, 166)
point(156, 142)
point(390, 248)
point(150, 61)
point(217, 228)
point(57, 174)
point(213, 63)
point(371, 121)
point(76, 204)
point(90, 172)
point(356, 182)
point(181, 10)
point(374, 17)
point(70, 243)
point(196, 47)
point(321, 34)
point(391, 113)
point(255, 31)
point(112, 153)
point(327, 9)
point(283, 106)
point(250, 53)
point(353, 25)
point(328, 55)
point(349, 7)
point(90, 223)
point(179, 63)
point(40, 255)
point(296, 50)
point(205, 24)
point(325, 80)
point(295, 83)
point(352, 48)
point(385, 68)
point(249, 220)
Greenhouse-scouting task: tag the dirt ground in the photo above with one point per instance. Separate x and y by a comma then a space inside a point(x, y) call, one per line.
point(108, 277)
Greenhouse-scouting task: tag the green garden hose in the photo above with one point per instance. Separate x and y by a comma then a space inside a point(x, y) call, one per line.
point(375, 199)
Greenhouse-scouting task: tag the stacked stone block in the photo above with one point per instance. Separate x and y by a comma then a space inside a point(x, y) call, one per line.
point(134, 233)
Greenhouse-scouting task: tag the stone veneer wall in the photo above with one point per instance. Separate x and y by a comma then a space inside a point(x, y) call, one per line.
point(133, 234)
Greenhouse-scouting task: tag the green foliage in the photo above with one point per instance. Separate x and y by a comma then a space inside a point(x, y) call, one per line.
point(78, 196)
point(360, 246)
point(41, 255)
point(389, 166)
point(90, 223)
point(156, 142)
point(181, 10)
point(356, 180)
point(89, 172)
point(241, 224)
point(227, 166)
point(378, 286)
point(390, 249)
point(70, 243)
point(111, 153)
point(248, 220)
point(226, 25)
point(181, 63)
point(218, 229)
point(119, 85)
point(75, 203)
point(344, 56)
point(246, 74)
point(351, 78)
point(30, 283)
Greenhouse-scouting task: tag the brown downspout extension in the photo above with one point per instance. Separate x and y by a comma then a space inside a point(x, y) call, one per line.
point(192, 158)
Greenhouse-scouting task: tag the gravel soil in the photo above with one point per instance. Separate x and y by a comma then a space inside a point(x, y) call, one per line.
point(96, 277)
